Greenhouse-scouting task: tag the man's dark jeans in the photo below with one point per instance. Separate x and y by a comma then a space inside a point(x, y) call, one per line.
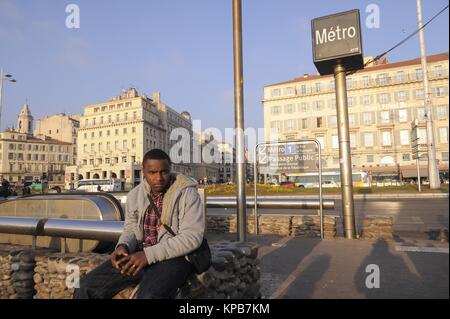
point(159, 280)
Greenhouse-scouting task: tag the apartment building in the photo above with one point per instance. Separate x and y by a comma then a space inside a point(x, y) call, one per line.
point(383, 100)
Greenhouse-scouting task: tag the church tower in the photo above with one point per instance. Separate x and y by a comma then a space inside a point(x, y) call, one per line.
point(25, 120)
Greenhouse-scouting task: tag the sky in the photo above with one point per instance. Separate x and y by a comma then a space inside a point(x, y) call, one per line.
point(183, 49)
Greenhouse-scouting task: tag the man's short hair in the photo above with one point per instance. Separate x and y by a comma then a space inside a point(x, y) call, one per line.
point(156, 154)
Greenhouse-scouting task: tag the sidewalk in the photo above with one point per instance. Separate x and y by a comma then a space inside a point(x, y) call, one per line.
point(313, 268)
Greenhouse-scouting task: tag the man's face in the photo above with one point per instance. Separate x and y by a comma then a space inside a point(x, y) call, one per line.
point(157, 174)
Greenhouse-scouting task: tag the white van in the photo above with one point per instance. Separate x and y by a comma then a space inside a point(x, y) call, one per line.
point(106, 185)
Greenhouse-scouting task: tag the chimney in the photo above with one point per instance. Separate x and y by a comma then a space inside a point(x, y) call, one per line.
point(156, 97)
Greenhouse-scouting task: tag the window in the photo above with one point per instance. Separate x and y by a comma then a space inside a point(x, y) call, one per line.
point(109, 118)
point(443, 135)
point(334, 142)
point(385, 117)
point(101, 119)
point(440, 91)
point(332, 85)
point(318, 87)
point(400, 76)
point(319, 122)
point(350, 83)
point(382, 79)
point(304, 124)
point(332, 103)
point(92, 147)
point(366, 99)
point(369, 158)
point(406, 157)
point(419, 94)
point(134, 115)
point(100, 147)
point(303, 89)
point(84, 147)
point(92, 134)
point(303, 107)
point(133, 143)
point(421, 113)
point(289, 108)
point(317, 105)
point(321, 141)
point(100, 134)
point(288, 91)
point(85, 135)
point(275, 92)
point(124, 159)
point(419, 74)
point(404, 137)
point(116, 145)
point(365, 81)
point(117, 117)
point(422, 135)
point(369, 140)
point(352, 119)
point(367, 118)
point(124, 130)
point(401, 96)
point(383, 98)
point(275, 110)
point(108, 146)
point(403, 116)
point(108, 133)
point(441, 112)
point(438, 71)
point(289, 125)
point(93, 121)
point(116, 132)
point(386, 136)
point(276, 126)
point(124, 144)
point(351, 101)
point(353, 140)
point(133, 130)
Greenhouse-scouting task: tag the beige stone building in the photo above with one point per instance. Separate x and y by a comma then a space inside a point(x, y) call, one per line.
point(383, 100)
point(60, 127)
point(114, 136)
point(208, 169)
point(24, 157)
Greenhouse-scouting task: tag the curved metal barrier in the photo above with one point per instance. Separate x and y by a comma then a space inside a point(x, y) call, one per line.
point(71, 206)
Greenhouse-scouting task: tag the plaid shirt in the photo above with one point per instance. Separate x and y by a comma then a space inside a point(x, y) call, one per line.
point(151, 221)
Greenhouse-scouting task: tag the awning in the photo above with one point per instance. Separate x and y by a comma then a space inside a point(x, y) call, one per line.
point(412, 172)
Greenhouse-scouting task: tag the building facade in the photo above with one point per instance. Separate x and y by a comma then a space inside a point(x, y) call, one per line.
point(60, 127)
point(207, 171)
point(227, 167)
point(383, 100)
point(114, 136)
point(27, 158)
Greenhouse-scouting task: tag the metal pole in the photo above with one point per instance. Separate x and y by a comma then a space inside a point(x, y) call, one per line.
point(1, 96)
point(418, 172)
point(433, 172)
point(345, 162)
point(255, 195)
point(320, 189)
point(239, 121)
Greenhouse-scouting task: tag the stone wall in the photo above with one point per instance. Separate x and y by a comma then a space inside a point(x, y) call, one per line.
point(378, 227)
point(234, 273)
point(284, 225)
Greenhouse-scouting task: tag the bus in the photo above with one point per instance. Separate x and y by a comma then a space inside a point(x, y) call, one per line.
point(106, 185)
point(310, 180)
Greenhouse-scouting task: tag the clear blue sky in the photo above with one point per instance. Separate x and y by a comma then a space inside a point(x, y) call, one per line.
point(181, 48)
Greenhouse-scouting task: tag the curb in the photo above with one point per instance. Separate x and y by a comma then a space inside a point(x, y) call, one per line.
point(356, 196)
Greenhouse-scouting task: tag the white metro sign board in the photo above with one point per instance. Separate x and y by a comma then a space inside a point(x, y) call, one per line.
point(288, 158)
point(337, 37)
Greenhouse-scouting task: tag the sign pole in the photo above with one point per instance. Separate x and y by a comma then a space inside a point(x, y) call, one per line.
point(418, 173)
point(345, 162)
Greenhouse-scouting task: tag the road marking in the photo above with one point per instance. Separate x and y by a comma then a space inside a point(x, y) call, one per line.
point(422, 249)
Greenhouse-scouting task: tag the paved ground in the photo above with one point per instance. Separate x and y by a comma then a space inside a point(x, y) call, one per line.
point(311, 268)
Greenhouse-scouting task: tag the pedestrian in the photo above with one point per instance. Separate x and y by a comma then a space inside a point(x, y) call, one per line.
point(147, 254)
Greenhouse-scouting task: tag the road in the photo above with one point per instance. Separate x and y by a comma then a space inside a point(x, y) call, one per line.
point(414, 215)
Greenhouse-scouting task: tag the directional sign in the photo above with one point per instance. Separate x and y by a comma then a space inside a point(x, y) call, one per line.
point(289, 158)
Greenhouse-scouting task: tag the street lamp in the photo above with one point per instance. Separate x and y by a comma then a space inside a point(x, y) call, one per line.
point(9, 78)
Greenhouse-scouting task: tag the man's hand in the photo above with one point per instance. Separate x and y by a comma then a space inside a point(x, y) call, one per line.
point(133, 264)
point(117, 256)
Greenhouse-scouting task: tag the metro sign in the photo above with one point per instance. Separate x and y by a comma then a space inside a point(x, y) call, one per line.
point(337, 37)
